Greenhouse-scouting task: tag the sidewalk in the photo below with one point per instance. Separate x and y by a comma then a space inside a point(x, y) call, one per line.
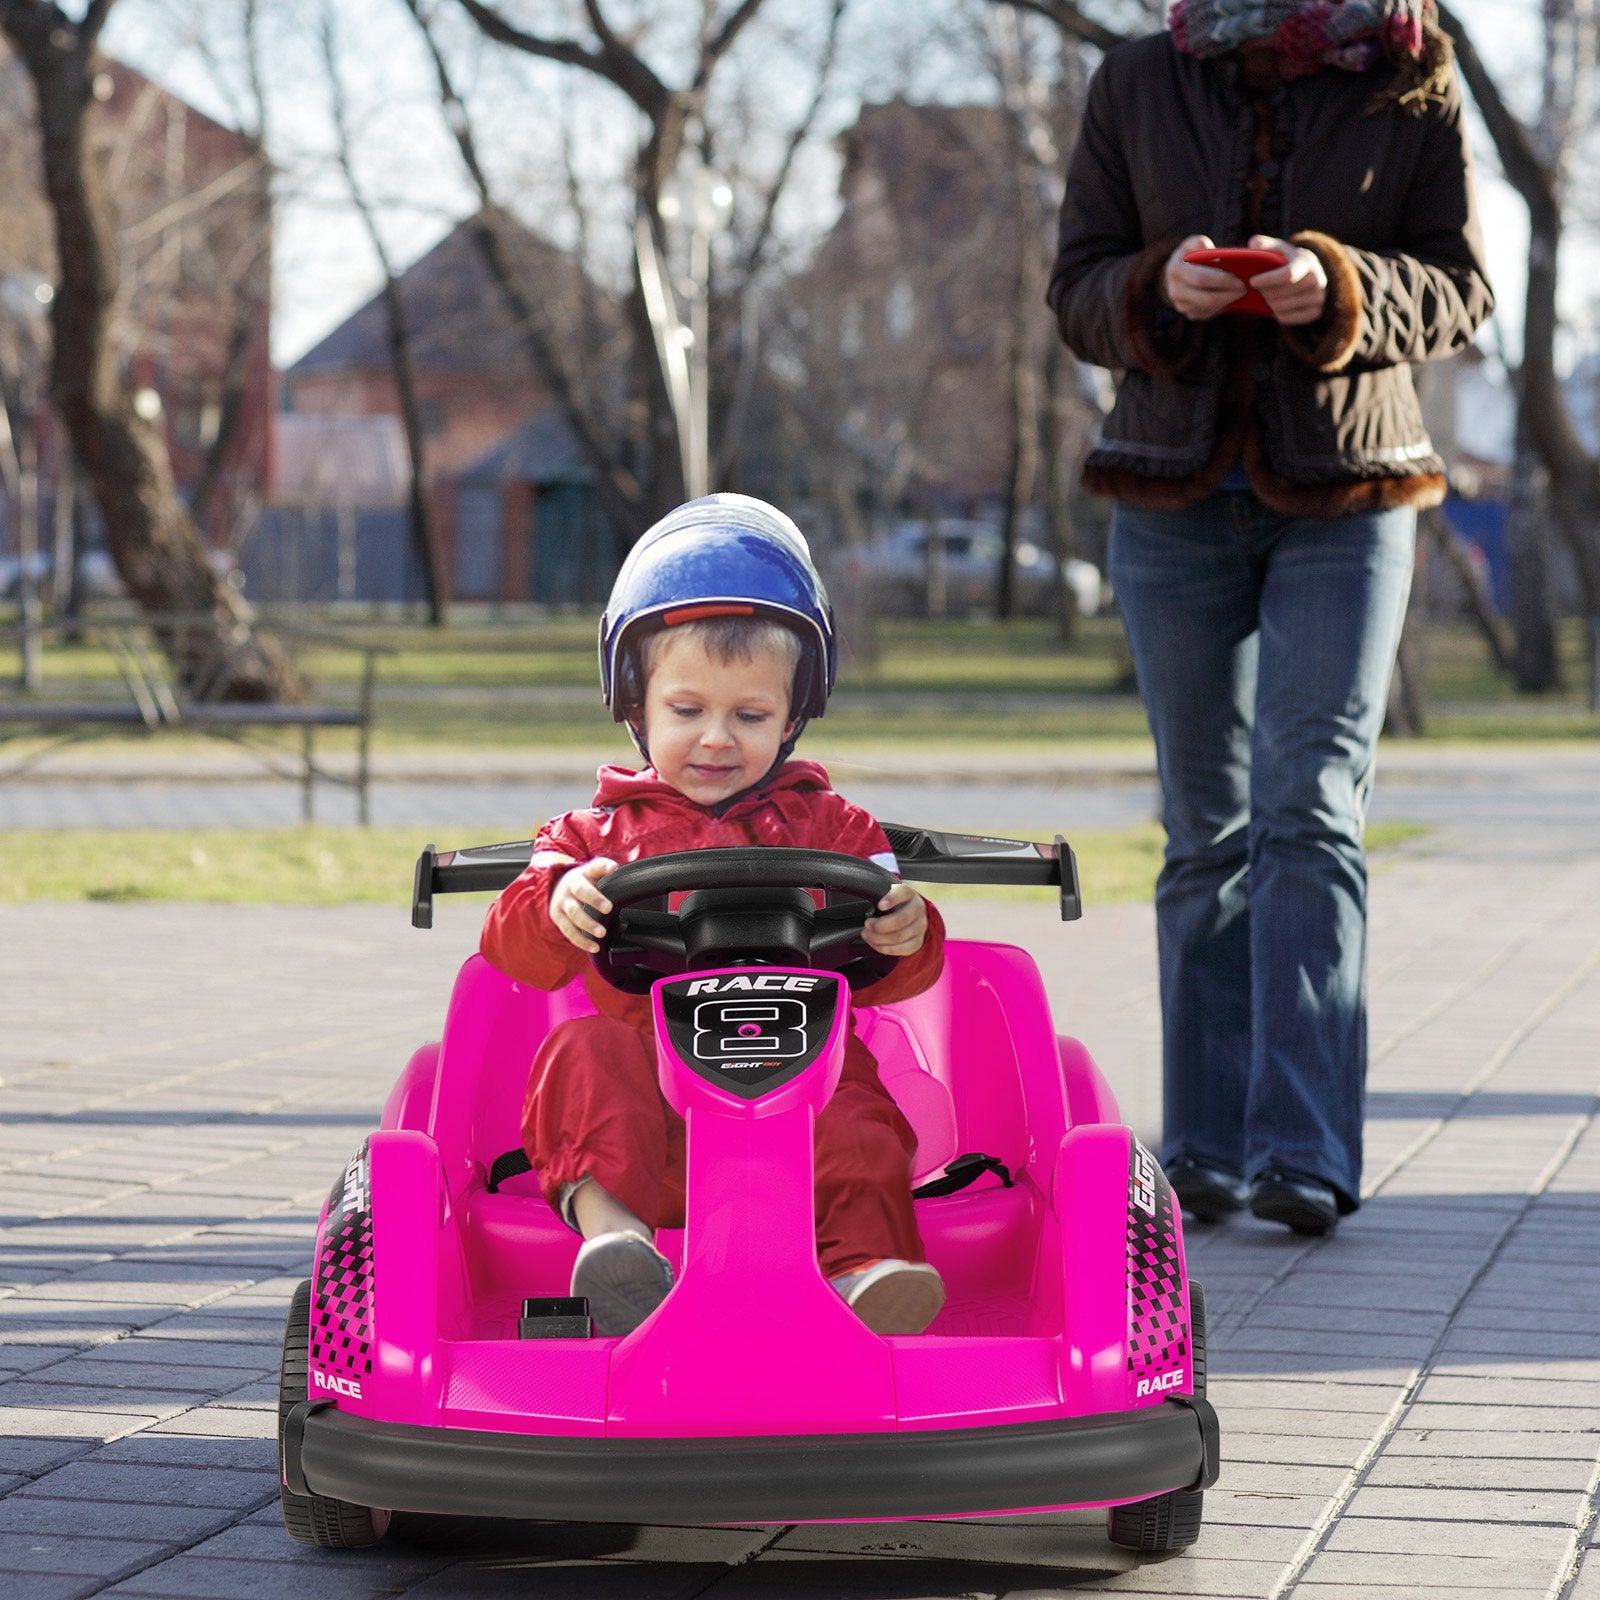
point(1410, 1408)
point(1489, 802)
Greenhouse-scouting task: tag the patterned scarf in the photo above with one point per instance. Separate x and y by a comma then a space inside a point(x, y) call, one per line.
point(1308, 35)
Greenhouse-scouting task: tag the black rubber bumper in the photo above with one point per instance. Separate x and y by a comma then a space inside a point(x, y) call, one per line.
point(802, 1478)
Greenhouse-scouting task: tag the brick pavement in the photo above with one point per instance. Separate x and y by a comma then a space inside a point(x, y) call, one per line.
point(1409, 1408)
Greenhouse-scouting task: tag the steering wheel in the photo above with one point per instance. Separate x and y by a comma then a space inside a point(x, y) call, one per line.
point(746, 906)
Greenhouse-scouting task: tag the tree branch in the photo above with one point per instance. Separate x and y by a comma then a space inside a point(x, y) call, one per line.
point(797, 134)
point(567, 51)
point(1525, 172)
point(1071, 20)
point(613, 61)
point(94, 19)
point(618, 490)
point(718, 47)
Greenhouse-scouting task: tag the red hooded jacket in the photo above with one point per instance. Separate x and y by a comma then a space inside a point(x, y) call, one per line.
point(638, 814)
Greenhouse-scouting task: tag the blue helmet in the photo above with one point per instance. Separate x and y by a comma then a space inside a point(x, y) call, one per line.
point(722, 555)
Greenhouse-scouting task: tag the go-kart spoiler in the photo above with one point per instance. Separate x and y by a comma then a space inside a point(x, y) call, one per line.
point(925, 856)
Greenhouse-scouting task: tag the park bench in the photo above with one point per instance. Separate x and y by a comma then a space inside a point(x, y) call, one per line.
point(157, 702)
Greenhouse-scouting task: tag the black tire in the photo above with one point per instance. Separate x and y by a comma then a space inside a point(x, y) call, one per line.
point(1168, 1521)
point(315, 1518)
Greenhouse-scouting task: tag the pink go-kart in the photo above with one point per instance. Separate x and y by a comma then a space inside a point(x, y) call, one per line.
point(435, 1363)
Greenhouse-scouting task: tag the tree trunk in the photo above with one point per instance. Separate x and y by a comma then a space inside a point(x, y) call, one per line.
point(424, 535)
point(154, 541)
point(1058, 516)
point(1487, 619)
point(1528, 537)
point(1403, 716)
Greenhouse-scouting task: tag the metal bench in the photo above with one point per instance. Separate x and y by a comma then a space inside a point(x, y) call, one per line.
point(157, 702)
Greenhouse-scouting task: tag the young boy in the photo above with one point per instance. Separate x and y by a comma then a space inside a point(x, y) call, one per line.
point(716, 647)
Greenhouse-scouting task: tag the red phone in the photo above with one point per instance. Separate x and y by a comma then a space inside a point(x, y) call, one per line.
point(1243, 264)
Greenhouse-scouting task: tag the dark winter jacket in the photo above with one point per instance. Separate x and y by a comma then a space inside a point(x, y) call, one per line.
point(1324, 418)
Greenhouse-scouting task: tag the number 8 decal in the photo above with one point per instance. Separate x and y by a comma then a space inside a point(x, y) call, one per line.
point(740, 1029)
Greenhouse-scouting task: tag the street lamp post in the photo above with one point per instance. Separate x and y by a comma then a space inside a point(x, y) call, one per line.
point(24, 301)
point(696, 198)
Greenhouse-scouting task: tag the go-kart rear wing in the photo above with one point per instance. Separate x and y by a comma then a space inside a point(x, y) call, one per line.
point(924, 856)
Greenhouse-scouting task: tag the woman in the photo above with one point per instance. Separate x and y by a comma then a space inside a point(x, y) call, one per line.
point(1267, 472)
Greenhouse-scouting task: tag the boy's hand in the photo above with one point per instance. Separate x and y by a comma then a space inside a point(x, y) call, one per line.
point(903, 925)
point(576, 905)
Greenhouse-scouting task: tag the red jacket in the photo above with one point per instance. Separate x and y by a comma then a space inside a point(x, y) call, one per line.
point(638, 814)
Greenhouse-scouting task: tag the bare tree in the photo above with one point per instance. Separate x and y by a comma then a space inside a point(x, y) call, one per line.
point(240, 261)
point(1043, 412)
point(1535, 161)
point(639, 464)
point(154, 540)
point(424, 536)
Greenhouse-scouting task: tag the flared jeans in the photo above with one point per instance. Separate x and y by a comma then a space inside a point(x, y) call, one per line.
point(1263, 645)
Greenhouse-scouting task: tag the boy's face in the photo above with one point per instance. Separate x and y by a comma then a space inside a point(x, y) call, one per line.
point(714, 727)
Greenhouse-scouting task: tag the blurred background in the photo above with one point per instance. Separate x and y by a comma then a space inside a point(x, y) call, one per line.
point(401, 319)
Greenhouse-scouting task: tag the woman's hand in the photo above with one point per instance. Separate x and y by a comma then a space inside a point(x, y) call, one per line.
point(1199, 293)
point(903, 925)
point(1298, 290)
point(576, 905)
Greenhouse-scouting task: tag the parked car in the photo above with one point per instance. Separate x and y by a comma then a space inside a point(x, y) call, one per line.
point(951, 567)
point(98, 578)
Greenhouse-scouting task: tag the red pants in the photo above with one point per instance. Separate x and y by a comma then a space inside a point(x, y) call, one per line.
point(595, 1109)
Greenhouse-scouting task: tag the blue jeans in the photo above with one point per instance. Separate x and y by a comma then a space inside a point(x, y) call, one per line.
point(1263, 645)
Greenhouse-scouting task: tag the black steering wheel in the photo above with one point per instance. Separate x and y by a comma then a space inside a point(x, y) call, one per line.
point(746, 906)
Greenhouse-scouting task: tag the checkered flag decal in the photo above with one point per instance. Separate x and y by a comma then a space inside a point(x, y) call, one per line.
point(341, 1297)
point(1158, 1326)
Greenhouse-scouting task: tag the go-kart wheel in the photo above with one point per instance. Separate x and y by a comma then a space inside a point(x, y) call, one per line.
point(315, 1518)
point(1167, 1521)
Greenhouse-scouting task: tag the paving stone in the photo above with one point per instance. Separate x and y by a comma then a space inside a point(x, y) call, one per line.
point(34, 1358)
point(397, 1558)
point(140, 1401)
point(94, 1479)
point(612, 1580)
point(159, 1346)
point(1510, 1390)
point(1475, 1505)
point(40, 1421)
point(1587, 1583)
point(1489, 1445)
point(1534, 1472)
point(1374, 1401)
point(49, 1585)
point(1357, 1570)
point(222, 1421)
point(1308, 1449)
point(167, 1524)
point(33, 1456)
point(180, 1450)
point(72, 1555)
point(1514, 1419)
point(199, 1578)
point(1340, 1590)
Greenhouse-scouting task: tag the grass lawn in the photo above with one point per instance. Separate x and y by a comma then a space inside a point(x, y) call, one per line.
point(337, 866)
point(532, 681)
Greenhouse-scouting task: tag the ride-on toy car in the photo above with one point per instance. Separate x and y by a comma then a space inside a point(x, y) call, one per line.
point(434, 1363)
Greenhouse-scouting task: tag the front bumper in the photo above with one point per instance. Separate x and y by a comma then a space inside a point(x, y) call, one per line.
point(801, 1478)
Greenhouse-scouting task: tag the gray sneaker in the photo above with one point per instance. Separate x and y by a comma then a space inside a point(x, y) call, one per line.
point(623, 1277)
point(893, 1296)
